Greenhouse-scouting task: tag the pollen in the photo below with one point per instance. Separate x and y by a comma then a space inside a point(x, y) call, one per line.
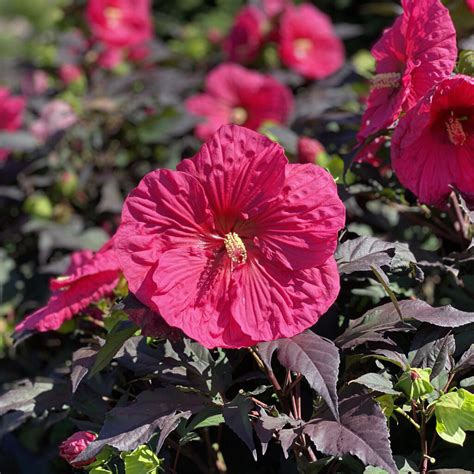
point(386, 80)
point(456, 133)
point(239, 116)
point(235, 248)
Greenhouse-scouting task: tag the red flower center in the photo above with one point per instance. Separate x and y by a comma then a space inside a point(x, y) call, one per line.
point(302, 46)
point(386, 80)
point(456, 133)
point(235, 248)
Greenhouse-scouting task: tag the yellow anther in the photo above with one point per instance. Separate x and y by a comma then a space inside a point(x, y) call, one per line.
point(239, 116)
point(456, 133)
point(235, 248)
point(386, 80)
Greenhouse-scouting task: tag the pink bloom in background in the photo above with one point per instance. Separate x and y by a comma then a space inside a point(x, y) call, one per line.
point(69, 73)
point(34, 83)
point(433, 144)
point(237, 95)
point(70, 448)
point(120, 25)
point(418, 51)
point(308, 43)
point(246, 37)
point(309, 149)
point(470, 5)
point(11, 114)
point(273, 8)
point(55, 116)
point(89, 278)
point(236, 246)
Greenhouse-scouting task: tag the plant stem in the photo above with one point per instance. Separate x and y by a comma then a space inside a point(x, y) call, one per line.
point(408, 418)
point(424, 445)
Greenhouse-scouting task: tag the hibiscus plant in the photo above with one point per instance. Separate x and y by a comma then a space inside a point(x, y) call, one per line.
point(236, 237)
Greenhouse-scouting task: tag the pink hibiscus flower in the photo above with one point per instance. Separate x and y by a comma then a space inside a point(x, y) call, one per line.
point(236, 246)
point(246, 36)
point(309, 149)
point(470, 5)
point(119, 25)
point(413, 55)
point(273, 8)
point(70, 448)
point(11, 114)
point(368, 153)
point(433, 144)
point(89, 278)
point(308, 43)
point(237, 95)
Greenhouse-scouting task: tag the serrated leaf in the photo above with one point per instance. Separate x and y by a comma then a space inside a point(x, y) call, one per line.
point(362, 431)
point(432, 347)
point(362, 253)
point(315, 357)
point(114, 341)
point(466, 362)
point(236, 416)
point(125, 428)
point(376, 382)
point(82, 361)
point(454, 413)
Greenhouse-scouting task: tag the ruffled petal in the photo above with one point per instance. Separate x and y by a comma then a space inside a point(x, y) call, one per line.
point(193, 294)
point(240, 170)
point(166, 210)
point(299, 229)
point(271, 303)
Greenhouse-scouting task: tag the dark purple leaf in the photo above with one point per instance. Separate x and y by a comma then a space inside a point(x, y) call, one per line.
point(443, 316)
point(315, 357)
point(82, 360)
point(432, 347)
point(466, 362)
point(373, 326)
point(236, 416)
point(362, 432)
point(286, 437)
point(167, 424)
point(362, 253)
point(125, 428)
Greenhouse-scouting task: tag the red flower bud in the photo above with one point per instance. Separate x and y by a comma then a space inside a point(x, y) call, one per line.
point(70, 448)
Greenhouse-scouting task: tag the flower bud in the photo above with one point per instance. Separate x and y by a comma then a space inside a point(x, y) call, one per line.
point(415, 383)
point(70, 448)
point(38, 205)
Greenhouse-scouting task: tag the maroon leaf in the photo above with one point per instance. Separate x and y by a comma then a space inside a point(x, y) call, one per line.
point(125, 428)
point(236, 416)
point(315, 357)
point(362, 431)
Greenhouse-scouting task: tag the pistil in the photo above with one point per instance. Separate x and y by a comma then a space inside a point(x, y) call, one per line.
point(386, 80)
point(456, 133)
point(235, 248)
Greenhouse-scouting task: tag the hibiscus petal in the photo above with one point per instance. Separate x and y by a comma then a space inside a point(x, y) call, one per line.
point(299, 229)
point(166, 209)
point(239, 170)
point(271, 303)
point(193, 294)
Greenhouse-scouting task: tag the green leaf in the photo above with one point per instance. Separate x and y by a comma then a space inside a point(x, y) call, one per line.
point(100, 470)
point(466, 62)
point(455, 415)
point(141, 461)
point(377, 382)
point(114, 341)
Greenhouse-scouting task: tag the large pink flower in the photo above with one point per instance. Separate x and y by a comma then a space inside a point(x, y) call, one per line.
point(413, 55)
point(89, 278)
point(470, 5)
point(308, 43)
point(237, 95)
point(246, 36)
point(11, 114)
point(433, 144)
point(236, 246)
point(55, 116)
